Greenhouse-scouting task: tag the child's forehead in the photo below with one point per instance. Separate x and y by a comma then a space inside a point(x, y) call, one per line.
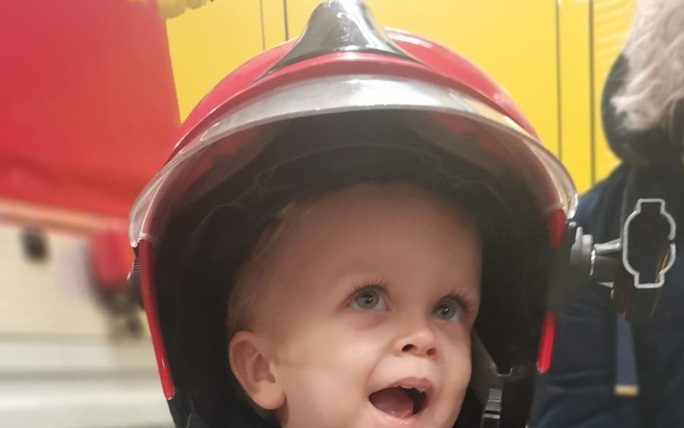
point(364, 228)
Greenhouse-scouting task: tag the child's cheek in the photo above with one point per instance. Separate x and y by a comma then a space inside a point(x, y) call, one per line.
point(456, 334)
point(364, 320)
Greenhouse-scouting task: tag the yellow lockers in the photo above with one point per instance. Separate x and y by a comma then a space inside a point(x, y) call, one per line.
point(611, 20)
point(207, 42)
point(551, 56)
point(591, 35)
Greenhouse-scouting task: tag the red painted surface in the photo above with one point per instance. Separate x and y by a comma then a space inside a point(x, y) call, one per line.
point(88, 107)
point(111, 258)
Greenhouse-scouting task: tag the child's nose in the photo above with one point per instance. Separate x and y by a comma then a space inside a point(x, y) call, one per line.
point(420, 343)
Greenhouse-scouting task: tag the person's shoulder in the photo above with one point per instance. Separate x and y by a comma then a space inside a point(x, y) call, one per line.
point(603, 201)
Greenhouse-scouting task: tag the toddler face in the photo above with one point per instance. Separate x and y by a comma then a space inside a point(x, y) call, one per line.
point(365, 315)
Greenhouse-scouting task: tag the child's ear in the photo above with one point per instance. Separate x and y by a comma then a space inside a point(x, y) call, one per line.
point(251, 366)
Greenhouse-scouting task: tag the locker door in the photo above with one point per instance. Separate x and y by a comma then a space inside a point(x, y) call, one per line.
point(591, 35)
point(611, 20)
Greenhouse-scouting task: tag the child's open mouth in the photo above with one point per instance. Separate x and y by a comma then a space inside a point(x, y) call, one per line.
point(400, 401)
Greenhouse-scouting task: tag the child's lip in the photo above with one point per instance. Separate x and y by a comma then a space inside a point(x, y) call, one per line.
point(421, 384)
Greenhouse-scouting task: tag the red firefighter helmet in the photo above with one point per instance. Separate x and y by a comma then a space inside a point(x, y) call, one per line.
point(345, 102)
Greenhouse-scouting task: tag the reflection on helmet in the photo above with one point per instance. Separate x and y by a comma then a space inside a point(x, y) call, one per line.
point(338, 107)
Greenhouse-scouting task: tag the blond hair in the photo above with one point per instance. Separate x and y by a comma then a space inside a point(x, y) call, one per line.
point(254, 274)
point(655, 57)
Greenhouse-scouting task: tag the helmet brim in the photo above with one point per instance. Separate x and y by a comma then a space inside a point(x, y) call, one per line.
point(247, 129)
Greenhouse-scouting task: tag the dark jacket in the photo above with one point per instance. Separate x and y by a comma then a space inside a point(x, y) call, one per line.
point(579, 389)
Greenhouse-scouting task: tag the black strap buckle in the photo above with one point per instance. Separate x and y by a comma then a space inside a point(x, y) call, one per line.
point(491, 415)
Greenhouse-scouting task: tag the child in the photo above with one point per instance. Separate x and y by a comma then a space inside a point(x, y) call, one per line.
point(347, 222)
point(375, 318)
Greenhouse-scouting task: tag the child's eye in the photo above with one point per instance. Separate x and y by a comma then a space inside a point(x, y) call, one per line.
point(370, 298)
point(448, 309)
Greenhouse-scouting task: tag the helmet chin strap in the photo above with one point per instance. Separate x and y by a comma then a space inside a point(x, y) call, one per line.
point(491, 414)
point(487, 384)
point(509, 388)
point(484, 370)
